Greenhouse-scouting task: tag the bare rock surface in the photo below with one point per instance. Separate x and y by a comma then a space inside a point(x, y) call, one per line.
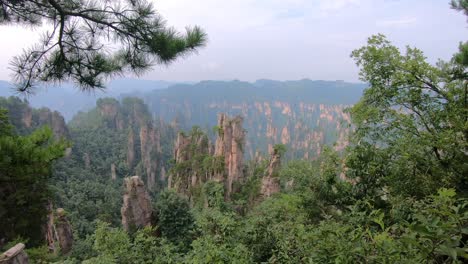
point(270, 182)
point(15, 255)
point(136, 208)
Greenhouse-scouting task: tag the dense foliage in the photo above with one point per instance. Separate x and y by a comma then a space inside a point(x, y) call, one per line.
point(397, 194)
point(411, 124)
point(25, 168)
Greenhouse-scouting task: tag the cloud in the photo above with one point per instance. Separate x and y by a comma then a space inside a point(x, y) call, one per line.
point(333, 5)
point(397, 22)
point(210, 66)
point(291, 14)
point(286, 39)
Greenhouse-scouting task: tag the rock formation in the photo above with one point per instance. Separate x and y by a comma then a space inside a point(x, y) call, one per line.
point(55, 120)
point(150, 148)
point(130, 149)
point(270, 182)
point(304, 115)
point(113, 172)
point(109, 111)
point(27, 117)
point(64, 232)
point(230, 144)
point(87, 160)
point(15, 255)
point(136, 208)
point(162, 174)
point(143, 139)
point(187, 150)
point(197, 161)
point(59, 234)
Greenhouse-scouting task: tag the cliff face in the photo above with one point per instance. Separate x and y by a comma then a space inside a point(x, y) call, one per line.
point(136, 207)
point(113, 172)
point(129, 129)
point(64, 231)
point(198, 161)
point(150, 150)
point(304, 115)
point(230, 143)
point(55, 120)
point(189, 153)
point(26, 119)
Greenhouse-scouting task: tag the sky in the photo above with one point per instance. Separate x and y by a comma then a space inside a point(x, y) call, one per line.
point(286, 39)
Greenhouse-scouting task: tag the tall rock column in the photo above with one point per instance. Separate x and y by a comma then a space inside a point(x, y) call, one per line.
point(188, 150)
point(136, 209)
point(270, 182)
point(59, 234)
point(130, 149)
point(113, 172)
point(150, 148)
point(230, 144)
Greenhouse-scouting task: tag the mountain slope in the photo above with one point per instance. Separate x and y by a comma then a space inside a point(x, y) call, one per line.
point(304, 114)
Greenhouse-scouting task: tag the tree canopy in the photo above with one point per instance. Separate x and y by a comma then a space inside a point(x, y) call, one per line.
point(89, 41)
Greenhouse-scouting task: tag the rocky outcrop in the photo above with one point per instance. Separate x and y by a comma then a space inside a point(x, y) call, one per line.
point(143, 139)
point(198, 161)
point(188, 151)
point(87, 160)
point(230, 144)
point(150, 148)
point(59, 234)
point(113, 172)
point(130, 149)
point(64, 231)
point(27, 117)
point(181, 148)
point(109, 110)
point(136, 207)
point(55, 120)
point(15, 255)
point(162, 174)
point(304, 122)
point(270, 182)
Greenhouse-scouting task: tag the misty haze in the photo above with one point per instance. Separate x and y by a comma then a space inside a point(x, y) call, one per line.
point(250, 131)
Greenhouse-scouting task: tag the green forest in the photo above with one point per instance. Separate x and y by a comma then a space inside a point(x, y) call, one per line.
point(396, 193)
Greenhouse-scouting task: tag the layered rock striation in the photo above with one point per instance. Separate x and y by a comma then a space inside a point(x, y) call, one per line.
point(59, 233)
point(230, 144)
point(198, 161)
point(270, 182)
point(136, 208)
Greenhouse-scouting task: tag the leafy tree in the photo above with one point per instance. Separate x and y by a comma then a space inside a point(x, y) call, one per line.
point(460, 5)
point(114, 245)
point(175, 221)
point(411, 124)
point(5, 126)
point(75, 47)
point(279, 149)
point(274, 224)
point(25, 167)
point(206, 250)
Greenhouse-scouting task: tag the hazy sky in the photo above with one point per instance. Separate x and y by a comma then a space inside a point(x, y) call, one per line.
point(287, 39)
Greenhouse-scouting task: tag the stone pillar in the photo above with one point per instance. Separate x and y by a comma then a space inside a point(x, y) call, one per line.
point(15, 255)
point(136, 208)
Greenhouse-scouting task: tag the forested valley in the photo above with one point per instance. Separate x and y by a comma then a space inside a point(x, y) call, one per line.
point(238, 172)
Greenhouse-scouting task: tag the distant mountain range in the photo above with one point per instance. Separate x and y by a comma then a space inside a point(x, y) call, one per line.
point(304, 115)
point(68, 99)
